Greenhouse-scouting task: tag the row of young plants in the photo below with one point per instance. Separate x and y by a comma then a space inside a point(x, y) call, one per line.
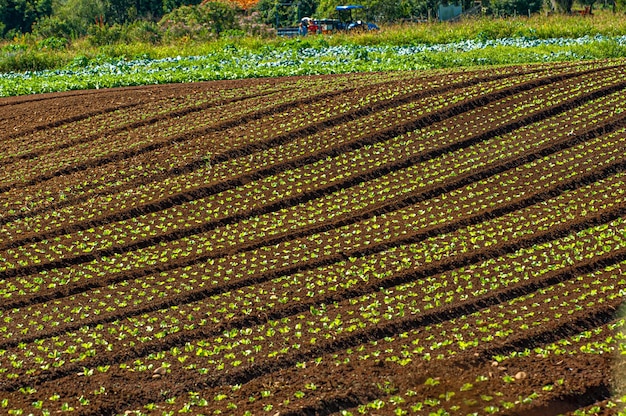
point(98, 238)
point(480, 389)
point(90, 202)
point(474, 199)
point(166, 159)
point(140, 364)
point(571, 353)
point(394, 350)
point(10, 232)
point(337, 170)
point(111, 301)
point(162, 103)
point(162, 131)
point(347, 311)
point(283, 337)
point(615, 146)
point(252, 268)
point(503, 71)
point(362, 197)
point(459, 392)
point(301, 116)
point(490, 326)
point(318, 363)
point(322, 329)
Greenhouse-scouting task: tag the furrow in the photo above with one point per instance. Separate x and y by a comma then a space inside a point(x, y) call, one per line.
point(181, 198)
point(396, 326)
point(529, 339)
point(354, 218)
point(466, 361)
point(252, 148)
point(80, 287)
point(115, 130)
point(397, 279)
point(222, 126)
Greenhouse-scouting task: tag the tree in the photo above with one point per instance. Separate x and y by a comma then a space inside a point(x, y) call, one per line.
point(71, 18)
point(219, 16)
point(386, 10)
point(215, 17)
point(287, 12)
point(123, 11)
point(380, 10)
point(513, 7)
point(171, 5)
point(19, 15)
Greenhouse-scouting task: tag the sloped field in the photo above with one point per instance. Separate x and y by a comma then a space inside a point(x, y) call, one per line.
point(384, 243)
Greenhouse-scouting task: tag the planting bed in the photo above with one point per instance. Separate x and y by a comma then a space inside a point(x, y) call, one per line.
point(383, 243)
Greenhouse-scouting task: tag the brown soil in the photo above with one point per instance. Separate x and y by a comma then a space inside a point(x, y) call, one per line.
point(139, 274)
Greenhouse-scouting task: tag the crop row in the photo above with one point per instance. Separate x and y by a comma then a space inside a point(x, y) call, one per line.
point(488, 194)
point(37, 230)
point(473, 199)
point(77, 189)
point(552, 379)
point(472, 387)
point(68, 134)
point(123, 141)
point(195, 147)
point(334, 170)
point(608, 153)
point(65, 106)
point(441, 341)
point(251, 267)
point(467, 391)
point(199, 97)
point(104, 336)
point(283, 337)
point(97, 239)
point(433, 388)
point(439, 257)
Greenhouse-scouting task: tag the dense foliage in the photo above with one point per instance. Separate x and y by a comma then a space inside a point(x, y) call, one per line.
point(295, 57)
point(72, 19)
point(19, 15)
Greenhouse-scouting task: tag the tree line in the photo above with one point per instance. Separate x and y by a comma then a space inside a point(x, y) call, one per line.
point(75, 18)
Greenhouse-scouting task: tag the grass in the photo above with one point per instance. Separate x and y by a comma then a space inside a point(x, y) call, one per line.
point(17, 53)
point(27, 53)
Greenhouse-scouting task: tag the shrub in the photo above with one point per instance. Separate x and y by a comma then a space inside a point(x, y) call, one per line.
point(28, 60)
point(52, 43)
point(196, 21)
point(54, 27)
point(515, 7)
point(101, 34)
point(142, 31)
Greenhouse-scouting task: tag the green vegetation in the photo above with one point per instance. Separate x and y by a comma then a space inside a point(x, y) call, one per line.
point(33, 65)
point(78, 44)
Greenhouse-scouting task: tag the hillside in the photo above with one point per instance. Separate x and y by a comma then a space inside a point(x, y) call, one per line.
point(435, 242)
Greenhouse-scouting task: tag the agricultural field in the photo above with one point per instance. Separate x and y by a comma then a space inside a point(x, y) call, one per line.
point(447, 242)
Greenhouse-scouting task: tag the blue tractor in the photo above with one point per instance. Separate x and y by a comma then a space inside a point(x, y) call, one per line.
point(345, 22)
point(349, 23)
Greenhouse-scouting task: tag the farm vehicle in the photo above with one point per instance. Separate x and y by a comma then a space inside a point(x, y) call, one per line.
point(345, 22)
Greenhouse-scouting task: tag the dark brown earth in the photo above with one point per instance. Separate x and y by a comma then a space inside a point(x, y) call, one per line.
point(386, 243)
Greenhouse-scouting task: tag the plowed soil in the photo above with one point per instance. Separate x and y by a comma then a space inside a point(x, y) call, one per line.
point(383, 243)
